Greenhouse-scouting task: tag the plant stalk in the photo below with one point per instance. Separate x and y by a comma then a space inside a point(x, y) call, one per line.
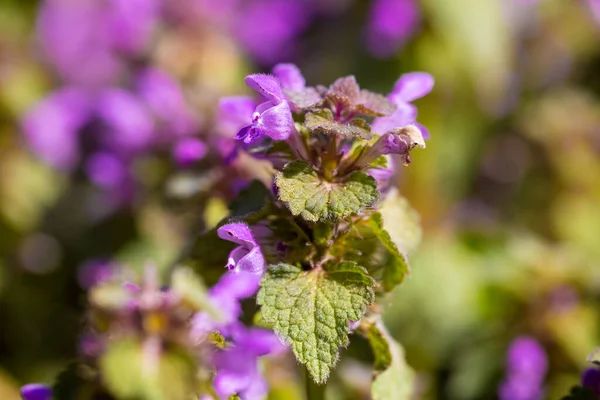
point(314, 391)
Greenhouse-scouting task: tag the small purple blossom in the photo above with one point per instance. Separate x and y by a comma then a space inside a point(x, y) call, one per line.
point(188, 151)
point(289, 76)
point(233, 114)
point(273, 117)
point(36, 391)
point(106, 170)
point(51, 127)
point(407, 88)
point(248, 255)
point(526, 366)
point(237, 365)
point(391, 23)
point(95, 272)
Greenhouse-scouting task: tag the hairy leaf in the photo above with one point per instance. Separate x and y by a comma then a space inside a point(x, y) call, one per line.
point(304, 98)
point(311, 310)
point(305, 194)
point(323, 121)
point(393, 379)
point(369, 244)
point(131, 372)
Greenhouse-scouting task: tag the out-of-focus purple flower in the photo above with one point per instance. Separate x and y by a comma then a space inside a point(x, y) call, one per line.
point(226, 296)
point(106, 170)
point(526, 366)
point(165, 99)
point(248, 255)
point(594, 6)
point(131, 22)
point(95, 272)
point(75, 41)
point(273, 117)
point(128, 125)
point(51, 127)
point(188, 151)
point(407, 88)
point(233, 114)
point(36, 391)
point(289, 76)
point(237, 365)
point(267, 29)
point(390, 25)
point(591, 379)
point(85, 40)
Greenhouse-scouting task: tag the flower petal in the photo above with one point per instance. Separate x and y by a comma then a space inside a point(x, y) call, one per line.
point(234, 113)
point(411, 86)
point(289, 76)
point(277, 122)
point(237, 232)
point(405, 114)
point(253, 262)
point(36, 391)
point(267, 85)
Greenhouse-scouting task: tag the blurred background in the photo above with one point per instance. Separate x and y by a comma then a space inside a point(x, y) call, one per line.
point(111, 153)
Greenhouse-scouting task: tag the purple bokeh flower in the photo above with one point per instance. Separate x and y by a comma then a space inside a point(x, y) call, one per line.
point(237, 366)
point(86, 40)
point(407, 88)
point(164, 98)
point(266, 29)
point(248, 255)
point(36, 391)
point(272, 117)
point(51, 127)
point(526, 366)
point(390, 24)
point(188, 151)
point(226, 295)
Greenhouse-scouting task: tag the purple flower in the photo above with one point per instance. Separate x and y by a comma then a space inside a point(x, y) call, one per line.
point(233, 114)
point(591, 379)
point(408, 88)
point(289, 77)
point(164, 98)
point(248, 255)
point(226, 296)
point(106, 170)
point(74, 39)
point(188, 151)
point(390, 24)
point(128, 125)
point(130, 23)
point(51, 127)
point(272, 117)
point(267, 29)
point(526, 366)
point(36, 391)
point(237, 365)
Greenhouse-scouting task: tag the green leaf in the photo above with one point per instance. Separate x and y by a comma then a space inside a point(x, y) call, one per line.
point(401, 221)
point(311, 310)
point(323, 121)
point(369, 244)
point(130, 372)
point(305, 194)
point(393, 379)
point(190, 288)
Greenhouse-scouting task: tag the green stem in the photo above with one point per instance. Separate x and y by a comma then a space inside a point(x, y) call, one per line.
point(314, 391)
